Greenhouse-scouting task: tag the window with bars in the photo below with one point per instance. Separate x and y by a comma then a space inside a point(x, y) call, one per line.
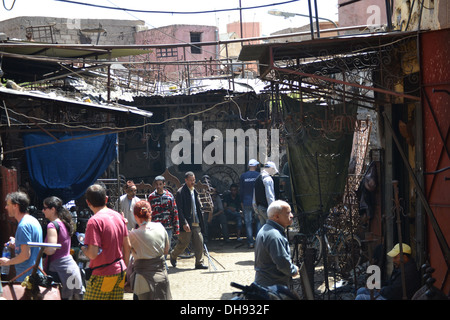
point(166, 52)
point(196, 37)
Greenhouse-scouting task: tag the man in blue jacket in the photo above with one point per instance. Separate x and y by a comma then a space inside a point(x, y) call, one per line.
point(246, 187)
point(273, 263)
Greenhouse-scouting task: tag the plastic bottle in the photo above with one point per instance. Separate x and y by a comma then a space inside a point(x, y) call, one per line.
point(6, 254)
point(80, 237)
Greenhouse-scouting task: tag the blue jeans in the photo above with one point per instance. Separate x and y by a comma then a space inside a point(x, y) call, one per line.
point(234, 216)
point(364, 294)
point(219, 221)
point(248, 219)
point(170, 234)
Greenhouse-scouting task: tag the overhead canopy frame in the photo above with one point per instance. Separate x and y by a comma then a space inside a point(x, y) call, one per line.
point(329, 68)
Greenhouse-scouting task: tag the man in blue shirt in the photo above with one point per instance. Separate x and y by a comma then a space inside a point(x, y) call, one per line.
point(28, 230)
point(273, 264)
point(246, 186)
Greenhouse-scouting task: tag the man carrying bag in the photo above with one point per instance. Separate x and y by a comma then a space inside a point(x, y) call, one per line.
point(107, 246)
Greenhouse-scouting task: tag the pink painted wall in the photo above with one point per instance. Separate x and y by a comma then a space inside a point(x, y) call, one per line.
point(362, 12)
point(178, 34)
point(249, 29)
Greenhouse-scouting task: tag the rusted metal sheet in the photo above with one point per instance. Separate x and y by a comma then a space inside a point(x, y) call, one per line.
point(9, 184)
point(435, 66)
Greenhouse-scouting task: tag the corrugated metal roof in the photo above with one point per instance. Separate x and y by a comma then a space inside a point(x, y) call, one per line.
point(29, 61)
point(5, 92)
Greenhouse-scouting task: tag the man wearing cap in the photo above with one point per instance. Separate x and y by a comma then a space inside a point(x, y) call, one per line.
point(246, 187)
point(264, 192)
point(393, 290)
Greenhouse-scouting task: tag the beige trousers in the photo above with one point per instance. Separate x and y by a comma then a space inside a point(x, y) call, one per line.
point(184, 238)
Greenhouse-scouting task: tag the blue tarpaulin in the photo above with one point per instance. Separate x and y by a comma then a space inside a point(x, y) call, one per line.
point(67, 168)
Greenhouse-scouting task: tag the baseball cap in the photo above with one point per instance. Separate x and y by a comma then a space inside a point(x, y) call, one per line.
point(396, 250)
point(271, 164)
point(253, 163)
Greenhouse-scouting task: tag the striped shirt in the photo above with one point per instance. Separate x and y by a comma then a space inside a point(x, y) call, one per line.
point(164, 210)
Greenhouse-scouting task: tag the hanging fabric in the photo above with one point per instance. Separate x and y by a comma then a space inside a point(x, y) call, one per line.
point(67, 168)
point(319, 139)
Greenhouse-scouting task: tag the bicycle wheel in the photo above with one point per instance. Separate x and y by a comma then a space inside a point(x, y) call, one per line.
point(349, 254)
point(298, 249)
point(316, 244)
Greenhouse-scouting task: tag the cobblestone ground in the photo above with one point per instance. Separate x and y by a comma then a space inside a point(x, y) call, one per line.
point(233, 262)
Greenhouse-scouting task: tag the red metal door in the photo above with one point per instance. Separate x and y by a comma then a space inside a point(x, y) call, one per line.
point(435, 66)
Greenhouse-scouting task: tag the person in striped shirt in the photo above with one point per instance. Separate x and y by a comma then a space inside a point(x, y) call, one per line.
point(164, 207)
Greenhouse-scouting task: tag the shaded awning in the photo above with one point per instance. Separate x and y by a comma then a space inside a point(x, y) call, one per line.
point(70, 51)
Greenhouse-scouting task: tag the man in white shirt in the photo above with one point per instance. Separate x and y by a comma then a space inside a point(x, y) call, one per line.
point(264, 192)
point(127, 202)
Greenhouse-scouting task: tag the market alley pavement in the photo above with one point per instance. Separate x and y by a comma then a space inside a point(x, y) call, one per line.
point(234, 262)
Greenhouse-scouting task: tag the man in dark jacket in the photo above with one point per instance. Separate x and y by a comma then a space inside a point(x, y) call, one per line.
point(191, 222)
point(393, 290)
point(264, 192)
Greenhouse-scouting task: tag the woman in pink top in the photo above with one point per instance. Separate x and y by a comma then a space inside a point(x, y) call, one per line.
point(60, 263)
